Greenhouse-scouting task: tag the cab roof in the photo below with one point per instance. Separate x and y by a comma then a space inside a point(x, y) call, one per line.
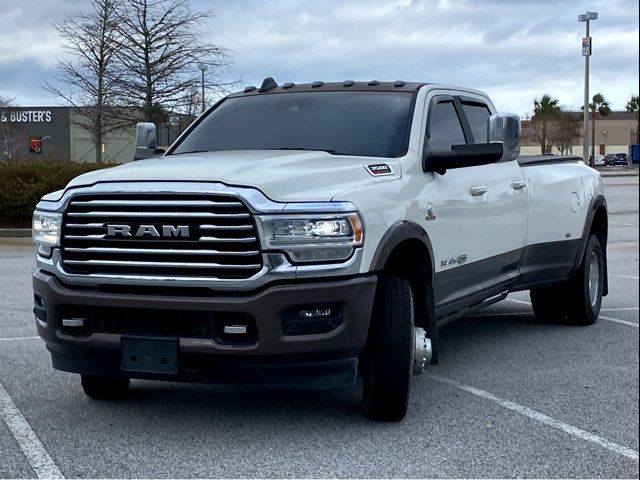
point(270, 86)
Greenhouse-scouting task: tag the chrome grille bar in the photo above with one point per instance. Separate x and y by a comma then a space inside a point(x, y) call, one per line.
point(160, 251)
point(157, 203)
point(113, 214)
point(128, 263)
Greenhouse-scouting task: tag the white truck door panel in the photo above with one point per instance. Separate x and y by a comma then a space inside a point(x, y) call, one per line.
point(458, 233)
point(459, 226)
point(508, 204)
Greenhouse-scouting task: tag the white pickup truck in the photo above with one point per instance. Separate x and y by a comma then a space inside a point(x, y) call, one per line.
point(308, 235)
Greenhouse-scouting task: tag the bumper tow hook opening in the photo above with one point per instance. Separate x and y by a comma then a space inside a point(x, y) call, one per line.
point(422, 350)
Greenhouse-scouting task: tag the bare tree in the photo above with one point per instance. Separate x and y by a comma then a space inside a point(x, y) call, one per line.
point(89, 74)
point(7, 133)
point(564, 131)
point(160, 48)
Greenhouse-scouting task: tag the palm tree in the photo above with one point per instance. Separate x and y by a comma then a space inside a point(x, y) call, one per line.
point(544, 110)
point(633, 105)
point(600, 105)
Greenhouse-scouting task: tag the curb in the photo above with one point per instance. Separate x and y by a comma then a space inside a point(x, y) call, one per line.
point(608, 175)
point(15, 232)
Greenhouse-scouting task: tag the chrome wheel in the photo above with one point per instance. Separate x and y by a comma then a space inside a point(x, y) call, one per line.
point(594, 279)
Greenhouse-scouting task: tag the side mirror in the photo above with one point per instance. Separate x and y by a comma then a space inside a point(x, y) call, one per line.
point(504, 128)
point(146, 141)
point(460, 156)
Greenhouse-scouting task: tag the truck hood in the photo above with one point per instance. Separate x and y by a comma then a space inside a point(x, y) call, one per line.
point(286, 176)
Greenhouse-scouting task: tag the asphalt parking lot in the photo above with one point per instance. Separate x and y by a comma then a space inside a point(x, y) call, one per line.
point(510, 398)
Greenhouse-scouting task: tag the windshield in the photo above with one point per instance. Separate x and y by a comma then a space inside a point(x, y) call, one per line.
point(343, 123)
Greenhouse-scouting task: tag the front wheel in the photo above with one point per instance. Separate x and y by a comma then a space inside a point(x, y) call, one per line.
point(388, 357)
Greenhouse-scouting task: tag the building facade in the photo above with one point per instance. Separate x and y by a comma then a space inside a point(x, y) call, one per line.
point(614, 133)
point(57, 133)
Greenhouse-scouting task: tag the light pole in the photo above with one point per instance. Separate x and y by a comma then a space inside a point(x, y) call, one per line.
point(586, 53)
point(203, 68)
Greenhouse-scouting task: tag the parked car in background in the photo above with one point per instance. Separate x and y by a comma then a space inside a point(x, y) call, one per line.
point(599, 161)
point(617, 159)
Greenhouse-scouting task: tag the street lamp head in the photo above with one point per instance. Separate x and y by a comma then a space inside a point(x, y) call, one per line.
point(588, 16)
point(202, 66)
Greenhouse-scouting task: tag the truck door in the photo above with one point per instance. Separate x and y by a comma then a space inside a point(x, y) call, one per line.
point(507, 203)
point(459, 224)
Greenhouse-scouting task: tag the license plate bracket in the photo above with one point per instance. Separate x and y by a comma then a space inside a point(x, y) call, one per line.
point(149, 354)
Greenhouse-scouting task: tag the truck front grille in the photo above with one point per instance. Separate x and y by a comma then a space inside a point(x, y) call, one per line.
point(160, 235)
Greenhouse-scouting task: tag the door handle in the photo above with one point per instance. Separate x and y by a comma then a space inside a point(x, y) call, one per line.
point(478, 190)
point(518, 184)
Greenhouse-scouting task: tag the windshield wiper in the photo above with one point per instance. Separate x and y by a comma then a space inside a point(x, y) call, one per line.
point(332, 152)
point(190, 151)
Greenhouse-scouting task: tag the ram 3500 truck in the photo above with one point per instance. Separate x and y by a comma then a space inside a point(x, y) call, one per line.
point(308, 235)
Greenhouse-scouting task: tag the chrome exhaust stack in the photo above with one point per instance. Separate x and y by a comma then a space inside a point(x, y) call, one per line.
point(422, 350)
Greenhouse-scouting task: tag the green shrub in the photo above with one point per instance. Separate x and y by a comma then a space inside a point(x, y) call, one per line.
point(23, 183)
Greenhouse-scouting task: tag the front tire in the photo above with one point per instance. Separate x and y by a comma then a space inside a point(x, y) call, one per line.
point(388, 357)
point(104, 388)
point(577, 301)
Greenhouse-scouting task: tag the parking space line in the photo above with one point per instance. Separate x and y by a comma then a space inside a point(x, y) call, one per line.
point(17, 338)
point(633, 277)
point(617, 320)
point(541, 417)
point(610, 319)
point(40, 461)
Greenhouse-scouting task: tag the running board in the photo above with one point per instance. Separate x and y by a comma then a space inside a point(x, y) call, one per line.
point(485, 303)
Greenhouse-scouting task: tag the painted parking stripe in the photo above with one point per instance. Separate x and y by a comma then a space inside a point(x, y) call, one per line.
point(633, 277)
point(40, 461)
point(17, 338)
point(617, 320)
point(600, 317)
point(542, 418)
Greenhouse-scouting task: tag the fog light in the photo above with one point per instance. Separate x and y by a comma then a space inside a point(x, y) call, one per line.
point(311, 320)
point(316, 313)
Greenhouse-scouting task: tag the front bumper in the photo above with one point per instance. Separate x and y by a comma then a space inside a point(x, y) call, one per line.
point(327, 359)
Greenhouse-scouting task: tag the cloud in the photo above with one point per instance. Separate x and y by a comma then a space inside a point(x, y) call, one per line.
point(513, 50)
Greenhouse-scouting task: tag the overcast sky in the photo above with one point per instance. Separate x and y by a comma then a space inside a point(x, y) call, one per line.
point(514, 50)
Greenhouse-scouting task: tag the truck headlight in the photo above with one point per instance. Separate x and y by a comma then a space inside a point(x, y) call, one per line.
point(312, 238)
point(46, 230)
